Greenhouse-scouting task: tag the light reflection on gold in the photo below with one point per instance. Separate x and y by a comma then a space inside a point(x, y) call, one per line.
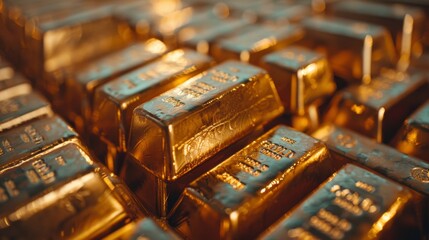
point(358, 108)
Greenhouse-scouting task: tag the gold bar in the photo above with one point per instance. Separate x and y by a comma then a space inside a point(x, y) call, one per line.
point(353, 204)
point(413, 138)
point(31, 138)
point(115, 101)
point(281, 14)
point(87, 77)
point(349, 147)
point(259, 40)
point(83, 202)
point(389, 16)
point(343, 40)
point(301, 76)
point(12, 84)
point(377, 109)
point(22, 108)
point(247, 192)
point(145, 228)
point(181, 128)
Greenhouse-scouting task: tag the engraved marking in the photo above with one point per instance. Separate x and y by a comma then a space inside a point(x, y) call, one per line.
point(197, 89)
point(420, 174)
point(173, 101)
point(32, 176)
point(301, 234)
point(11, 188)
point(256, 164)
point(275, 150)
point(60, 160)
point(288, 140)
point(222, 77)
point(231, 180)
point(35, 137)
point(6, 144)
point(3, 195)
point(365, 186)
point(352, 201)
point(248, 169)
point(44, 171)
point(130, 84)
point(346, 140)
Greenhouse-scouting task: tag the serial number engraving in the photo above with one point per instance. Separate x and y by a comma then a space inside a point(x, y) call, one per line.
point(11, 188)
point(330, 224)
point(222, 77)
point(197, 89)
point(173, 101)
point(351, 201)
point(231, 180)
point(35, 137)
point(44, 171)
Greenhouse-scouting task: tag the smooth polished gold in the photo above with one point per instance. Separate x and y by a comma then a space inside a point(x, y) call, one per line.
point(115, 101)
point(349, 147)
point(413, 138)
point(181, 128)
point(63, 194)
point(343, 42)
point(247, 192)
point(145, 228)
point(377, 109)
point(33, 137)
point(86, 77)
point(257, 41)
point(353, 204)
point(22, 108)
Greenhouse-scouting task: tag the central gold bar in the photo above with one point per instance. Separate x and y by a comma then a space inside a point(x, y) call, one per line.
point(353, 204)
point(63, 193)
point(115, 101)
point(247, 192)
point(181, 128)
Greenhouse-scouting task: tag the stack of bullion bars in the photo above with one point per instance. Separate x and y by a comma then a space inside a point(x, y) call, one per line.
point(214, 120)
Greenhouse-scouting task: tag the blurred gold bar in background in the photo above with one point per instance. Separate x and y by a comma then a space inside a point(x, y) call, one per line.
point(257, 41)
point(378, 109)
point(22, 108)
point(12, 84)
point(413, 138)
point(353, 204)
point(63, 194)
point(343, 42)
point(178, 130)
point(115, 101)
point(145, 228)
point(33, 137)
point(247, 192)
point(86, 77)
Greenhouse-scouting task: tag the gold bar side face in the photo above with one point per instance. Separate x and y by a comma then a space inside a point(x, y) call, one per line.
point(257, 41)
point(343, 41)
point(413, 139)
point(89, 76)
point(353, 204)
point(348, 146)
point(86, 207)
point(144, 229)
point(377, 109)
point(301, 76)
point(197, 119)
point(12, 84)
point(115, 101)
point(31, 138)
point(247, 192)
point(17, 110)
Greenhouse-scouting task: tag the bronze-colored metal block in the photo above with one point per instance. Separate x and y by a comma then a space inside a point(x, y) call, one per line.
point(22, 108)
point(343, 42)
point(391, 16)
point(115, 101)
point(32, 138)
point(349, 147)
point(181, 128)
point(12, 84)
point(63, 194)
point(257, 41)
point(301, 76)
point(145, 228)
point(378, 109)
point(413, 138)
point(87, 77)
point(353, 204)
point(247, 192)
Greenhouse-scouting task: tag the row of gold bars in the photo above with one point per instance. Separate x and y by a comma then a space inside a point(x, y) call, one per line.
point(223, 120)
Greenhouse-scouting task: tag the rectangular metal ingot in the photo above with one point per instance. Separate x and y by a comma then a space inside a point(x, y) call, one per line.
point(343, 42)
point(63, 194)
point(349, 147)
point(115, 101)
point(378, 109)
point(88, 76)
point(301, 76)
point(246, 193)
point(145, 228)
point(181, 128)
point(353, 204)
point(257, 41)
point(12, 84)
point(413, 138)
point(33, 137)
point(22, 108)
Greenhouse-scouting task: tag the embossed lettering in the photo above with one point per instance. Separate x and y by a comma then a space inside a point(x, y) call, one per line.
point(275, 150)
point(173, 101)
point(44, 171)
point(231, 180)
